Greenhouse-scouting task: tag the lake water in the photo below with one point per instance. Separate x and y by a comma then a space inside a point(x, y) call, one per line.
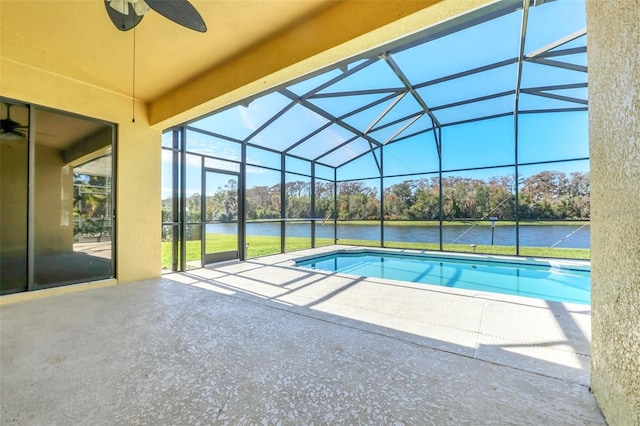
point(531, 236)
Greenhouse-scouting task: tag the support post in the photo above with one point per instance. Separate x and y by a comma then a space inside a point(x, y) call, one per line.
point(283, 203)
point(438, 137)
point(242, 205)
point(381, 197)
point(335, 206)
point(175, 200)
point(313, 204)
point(183, 200)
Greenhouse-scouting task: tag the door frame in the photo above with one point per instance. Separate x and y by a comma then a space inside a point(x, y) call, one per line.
point(222, 256)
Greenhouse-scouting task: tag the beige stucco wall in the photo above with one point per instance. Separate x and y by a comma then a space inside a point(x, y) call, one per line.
point(138, 156)
point(614, 125)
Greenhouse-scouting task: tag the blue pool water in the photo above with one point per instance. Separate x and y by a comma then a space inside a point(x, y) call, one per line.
point(529, 280)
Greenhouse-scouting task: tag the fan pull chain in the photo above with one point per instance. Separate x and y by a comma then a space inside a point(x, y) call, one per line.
point(133, 91)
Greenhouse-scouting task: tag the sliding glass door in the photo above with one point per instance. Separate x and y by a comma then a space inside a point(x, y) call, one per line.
point(14, 181)
point(56, 198)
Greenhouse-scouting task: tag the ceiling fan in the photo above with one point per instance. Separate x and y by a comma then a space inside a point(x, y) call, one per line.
point(9, 128)
point(126, 14)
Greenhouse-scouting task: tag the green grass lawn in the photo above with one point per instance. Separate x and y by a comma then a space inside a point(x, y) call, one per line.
point(261, 245)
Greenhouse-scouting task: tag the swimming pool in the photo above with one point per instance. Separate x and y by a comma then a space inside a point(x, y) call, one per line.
point(541, 280)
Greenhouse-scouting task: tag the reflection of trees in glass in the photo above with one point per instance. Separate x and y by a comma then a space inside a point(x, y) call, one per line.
point(91, 205)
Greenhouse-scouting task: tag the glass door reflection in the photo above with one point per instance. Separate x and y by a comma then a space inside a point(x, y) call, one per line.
point(14, 183)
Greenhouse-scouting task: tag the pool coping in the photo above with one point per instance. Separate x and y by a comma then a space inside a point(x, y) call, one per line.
point(558, 264)
point(563, 264)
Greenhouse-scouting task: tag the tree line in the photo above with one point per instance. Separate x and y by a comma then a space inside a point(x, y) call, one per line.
point(548, 195)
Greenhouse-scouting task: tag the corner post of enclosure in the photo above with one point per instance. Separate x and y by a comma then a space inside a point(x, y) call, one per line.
point(183, 199)
point(438, 136)
point(523, 36)
point(335, 205)
point(382, 196)
point(242, 204)
point(313, 204)
point(175, 200)
point(283, 203)
point(203, 212)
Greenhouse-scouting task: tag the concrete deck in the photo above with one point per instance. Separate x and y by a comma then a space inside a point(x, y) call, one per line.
point(262, 342)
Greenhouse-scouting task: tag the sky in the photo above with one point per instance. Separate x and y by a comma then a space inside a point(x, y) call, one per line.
point(541, 137)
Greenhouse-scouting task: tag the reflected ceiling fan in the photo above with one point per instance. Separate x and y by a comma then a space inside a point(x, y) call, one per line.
point(126, 14)
point(9, 129)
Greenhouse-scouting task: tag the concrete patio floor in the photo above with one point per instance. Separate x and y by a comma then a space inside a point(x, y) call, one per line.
point(263, 342)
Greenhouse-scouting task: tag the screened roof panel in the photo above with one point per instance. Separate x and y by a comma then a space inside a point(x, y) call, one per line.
point(320, 117)
point(487, 108)
point(422, 124)
point(577, 42)
point(345, 153)
point(483, 44)
point(289, 128)
point(501, 79)
point(365, 119)
point(407, 106)
point(385, 134)
point(578, 93)
point(577, 59)
point(322, 142)
point(417, 154)
point(341, 105)
point(537, 75)
point(537, 102)
point(240, 121)
point(378, 75)
point(552, 21)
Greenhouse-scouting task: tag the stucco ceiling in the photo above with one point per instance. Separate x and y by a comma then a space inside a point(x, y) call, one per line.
point(75, 38)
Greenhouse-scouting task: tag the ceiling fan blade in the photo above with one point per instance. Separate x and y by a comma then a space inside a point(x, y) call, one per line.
point(121, 21)
point(179, 11)
point(13, 135)
point(8, 125)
